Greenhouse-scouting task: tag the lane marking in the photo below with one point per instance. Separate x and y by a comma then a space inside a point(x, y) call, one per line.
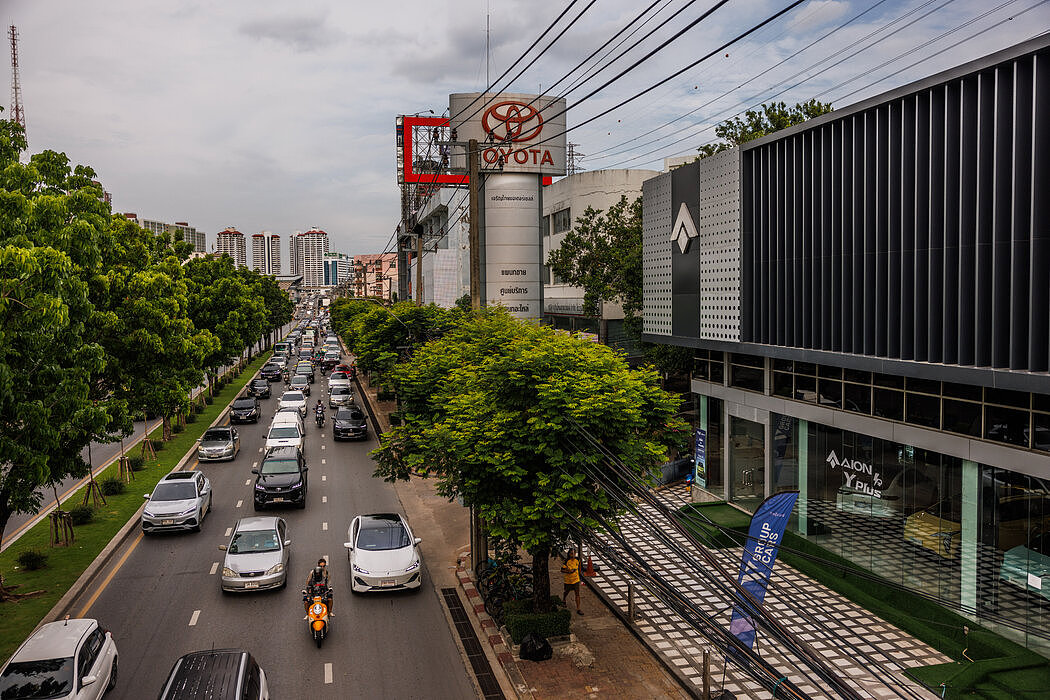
point(328, 674)
point(214, 568)
point(194, 465)
point(247, 482)
point(109, 577)
point(255, 465)
point(324, 477)
point(324, 499)
point(322, 447)
point(194, 617)
point(324, 526)
point(239, 504)
point(324, 461)
point(229, 531)
point(260, 450)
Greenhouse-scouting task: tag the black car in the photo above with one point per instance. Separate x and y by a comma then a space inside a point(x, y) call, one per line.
point(245, 410)
point(221, 674)
point(281, 478)
point(259, 388)
point(271, 372)
point(350, 424)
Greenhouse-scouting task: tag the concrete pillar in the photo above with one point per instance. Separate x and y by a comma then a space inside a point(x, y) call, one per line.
point(701, 424)
point(971, 515)
point(803, 477)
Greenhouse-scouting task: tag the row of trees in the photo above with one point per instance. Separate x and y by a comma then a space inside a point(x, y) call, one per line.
point(495, 410)
point(98, 319)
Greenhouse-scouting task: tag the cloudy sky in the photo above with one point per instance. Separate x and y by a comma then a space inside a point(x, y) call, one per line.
point(280, 116)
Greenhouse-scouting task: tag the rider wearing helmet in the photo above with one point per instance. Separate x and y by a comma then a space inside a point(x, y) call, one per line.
point(319, 575)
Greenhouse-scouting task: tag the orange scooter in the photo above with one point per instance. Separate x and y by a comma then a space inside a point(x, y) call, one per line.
point(317, 611)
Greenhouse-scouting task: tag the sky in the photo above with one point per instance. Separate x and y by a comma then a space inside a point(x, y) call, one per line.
point(279, 116)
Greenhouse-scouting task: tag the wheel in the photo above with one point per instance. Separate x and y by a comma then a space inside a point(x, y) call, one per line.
point(255, 507)
point(318, 638)
point(112, 677)
point(200, 521)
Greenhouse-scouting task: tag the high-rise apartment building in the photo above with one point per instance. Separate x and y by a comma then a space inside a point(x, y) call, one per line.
point(311, 251)
point(266, 253)
point(338, 269)
point(230, 241)
point(295, 254)
point(180, 230)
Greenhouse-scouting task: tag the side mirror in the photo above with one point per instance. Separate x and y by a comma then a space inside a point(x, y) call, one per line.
point(287, 543)
point(88, 680)
point(418, 540)
point(146, 496)
point(255, 471)
point(348, 545)
point(222, 548)
point(306, 469)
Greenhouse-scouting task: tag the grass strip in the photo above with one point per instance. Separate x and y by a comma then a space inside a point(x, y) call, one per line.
point(18, 618)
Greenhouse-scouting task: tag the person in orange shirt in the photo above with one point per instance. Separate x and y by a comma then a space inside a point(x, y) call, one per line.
point(571, 571)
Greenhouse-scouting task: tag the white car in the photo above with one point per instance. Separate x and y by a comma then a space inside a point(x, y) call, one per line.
point(338, 379)
point(296, 399)
point(71, 659)
point(179, 502)
point(285, 434)
point(383, 554)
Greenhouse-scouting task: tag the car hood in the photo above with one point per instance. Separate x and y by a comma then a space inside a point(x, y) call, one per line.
point(351, 424)
point(215, 444)
point(260, 561)
point(249, 409)
point(385, 561)
point(283, 442)
point(278, 480)
point(295, 404)
point(170, 507)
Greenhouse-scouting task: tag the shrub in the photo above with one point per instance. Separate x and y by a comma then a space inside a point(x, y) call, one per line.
point(176, 427)
point(136, 463)
point(82, 515)
point(191, 417)
point(197, 408)
point(112, 486)
point(209, 400)
point(32, 559)
point(520, 619)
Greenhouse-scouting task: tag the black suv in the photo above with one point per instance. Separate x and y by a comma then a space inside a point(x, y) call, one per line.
point(245, 410)
point(271, 372)
point(349, 424)
point(259, 388)
point(281, 478)
point(220, 674)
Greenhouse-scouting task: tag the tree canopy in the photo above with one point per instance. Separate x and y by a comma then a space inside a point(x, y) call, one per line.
point(757, 123)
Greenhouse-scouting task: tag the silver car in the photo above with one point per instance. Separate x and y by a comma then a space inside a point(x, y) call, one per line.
point(71, 659)
point(257, 555)
point(179, 502)
point(340, 396)
point(219, 443)
point(296, 399)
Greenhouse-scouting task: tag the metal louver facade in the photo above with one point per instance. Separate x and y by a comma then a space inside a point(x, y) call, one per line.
point(914, 226)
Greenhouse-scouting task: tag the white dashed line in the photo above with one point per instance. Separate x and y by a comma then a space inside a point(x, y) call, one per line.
point(240, 503)
point(324, 477)
point(255, 465)
point(214, 568)
point(324, 499)
point(229, 531)
point(324, 526)
point(324, 461)
point(260, 450)
point(247, 482)
point(322, 447)
point(328, 674)
point(193, 618)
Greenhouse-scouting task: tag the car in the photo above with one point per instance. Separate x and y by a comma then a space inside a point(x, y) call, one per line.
point(939, 527)
point(179, 501)
point(294, 398)
point(219, 443)
point(349, 424)
point(291, 411)
point(300, 383)
point(218, 674)
point(256, 556)
point(910, 490)
point(330, 360)
point(285, 433)
point(259, 388)
point(340, 396)
point(245, 410)
point(281, 478)
point(1028, 567)
point(306, 369)
point(73, 658)
point(271, 371)
point(307, 349)
point(341, 367)
point(338, 379)
point(383, 554)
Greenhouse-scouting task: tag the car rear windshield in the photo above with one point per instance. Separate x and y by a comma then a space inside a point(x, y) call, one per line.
point(217, 434)
point(244, 403)
point(34, 680)
point(174, 491)
point(254, 541)
point(279, 466)
point(381, 537)
point(293, 396)
point(284, 432)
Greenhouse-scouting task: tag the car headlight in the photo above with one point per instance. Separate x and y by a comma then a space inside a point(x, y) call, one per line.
point(228, 448)
point(228, 572)
point(148, 514)
point(413, 566)
point(188, 511)
point(260, 487)
point(275, 569)
point(359, 570)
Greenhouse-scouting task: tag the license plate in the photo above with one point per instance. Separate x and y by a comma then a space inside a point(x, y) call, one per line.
point(388, 583)
point(278, 500)
point(251, 584)
point(167, 522)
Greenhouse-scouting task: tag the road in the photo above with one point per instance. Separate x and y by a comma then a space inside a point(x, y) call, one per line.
point(160, 595)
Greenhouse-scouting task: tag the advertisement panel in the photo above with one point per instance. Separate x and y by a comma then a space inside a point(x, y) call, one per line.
point(527, 131)
point(511, 244)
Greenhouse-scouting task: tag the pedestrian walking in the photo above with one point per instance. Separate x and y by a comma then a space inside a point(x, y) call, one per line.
point(571, 571)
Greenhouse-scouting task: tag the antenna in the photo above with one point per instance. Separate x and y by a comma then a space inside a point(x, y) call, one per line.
point(17, 115)
point(488, 55)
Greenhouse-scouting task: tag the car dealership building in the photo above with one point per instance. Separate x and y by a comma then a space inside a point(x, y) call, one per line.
point(868, 296)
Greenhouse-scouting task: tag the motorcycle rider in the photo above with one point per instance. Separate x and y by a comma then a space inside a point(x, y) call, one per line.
point(318, 575)
point(319, 409)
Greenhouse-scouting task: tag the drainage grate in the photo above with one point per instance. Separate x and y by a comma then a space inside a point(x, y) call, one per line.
point(475, 653)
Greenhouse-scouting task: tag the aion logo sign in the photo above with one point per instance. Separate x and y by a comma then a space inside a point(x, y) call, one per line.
point(684, 230)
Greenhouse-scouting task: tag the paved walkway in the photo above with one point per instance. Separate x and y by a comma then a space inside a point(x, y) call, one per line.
point(841, 631)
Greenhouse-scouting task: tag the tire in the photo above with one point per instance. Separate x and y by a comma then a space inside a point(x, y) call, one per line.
point(318, 638)
point(112, 678)
point(255, 507)
point(200, 521)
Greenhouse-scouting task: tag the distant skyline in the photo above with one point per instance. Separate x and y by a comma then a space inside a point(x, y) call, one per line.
point(266, 116)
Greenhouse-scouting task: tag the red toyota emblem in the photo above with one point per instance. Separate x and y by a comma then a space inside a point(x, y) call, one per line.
point(512, 121)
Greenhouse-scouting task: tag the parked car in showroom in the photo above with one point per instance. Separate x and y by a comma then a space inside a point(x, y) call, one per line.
point(219, 443)
point(260, 389)
point(349, 423)
point(383, 554)
point(245, 410)
point(257, 555)
point(1028, 566)
point(180, 501)
point(73, 659)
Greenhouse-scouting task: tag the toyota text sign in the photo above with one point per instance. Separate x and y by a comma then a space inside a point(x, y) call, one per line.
point(527, 131)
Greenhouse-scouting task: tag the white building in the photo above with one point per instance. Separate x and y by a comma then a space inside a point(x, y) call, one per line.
point(446, 248)
point(338, 269)
point(180, 230)
point(310, 250)
point(230, 242)
point(266, 253)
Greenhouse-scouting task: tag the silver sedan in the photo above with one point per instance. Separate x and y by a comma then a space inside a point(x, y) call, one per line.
point(257, 556)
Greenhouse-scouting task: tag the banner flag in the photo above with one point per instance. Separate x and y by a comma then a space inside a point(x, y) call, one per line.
point(760, 553)
point(700, 459)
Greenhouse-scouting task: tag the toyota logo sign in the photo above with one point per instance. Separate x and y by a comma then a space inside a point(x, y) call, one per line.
point(512, 121)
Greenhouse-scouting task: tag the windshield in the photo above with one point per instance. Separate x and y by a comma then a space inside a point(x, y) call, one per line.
point(51, 678)
point(339, 390)
point(339, 375)
point(293, 396)
point(283, 432)
point(254, 541)
point(244, 403)
point(381, 537)
point(260, 383)
point(216, 434)
point(299, 379)
point(174, 491)
point(348, 414)
point(279, 466)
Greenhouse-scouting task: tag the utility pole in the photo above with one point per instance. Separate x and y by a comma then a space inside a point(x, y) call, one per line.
point(418, 230)
point(473, 168)
point(17, 115)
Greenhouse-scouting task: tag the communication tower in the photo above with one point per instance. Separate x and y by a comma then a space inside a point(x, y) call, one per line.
point(17, 115)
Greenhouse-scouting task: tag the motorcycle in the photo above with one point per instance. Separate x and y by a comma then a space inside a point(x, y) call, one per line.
point(319, 418)
point(317, 612)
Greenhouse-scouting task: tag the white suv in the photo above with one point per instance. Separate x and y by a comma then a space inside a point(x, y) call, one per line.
point(71, 659)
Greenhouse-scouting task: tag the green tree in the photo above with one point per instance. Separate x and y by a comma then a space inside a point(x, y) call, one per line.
point(757, 123)
point(494, 411)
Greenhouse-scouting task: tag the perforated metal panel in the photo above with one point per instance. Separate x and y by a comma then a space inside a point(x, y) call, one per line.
point(656, 255)
point(719, 229)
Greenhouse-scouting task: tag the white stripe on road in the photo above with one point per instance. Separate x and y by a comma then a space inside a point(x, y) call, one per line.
point(328, 674)
point(239, 504)
point(214, 568)
point(193, 618)
point(324, 526)
point(255, 465)
point(324, 499)
point(247, 482)
point(324, 477)
point(260, 450)
point(229, 531)
point(322, 447)
point(324, 461)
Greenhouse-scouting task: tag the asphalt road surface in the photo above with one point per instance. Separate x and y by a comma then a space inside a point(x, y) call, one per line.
point(160, 595)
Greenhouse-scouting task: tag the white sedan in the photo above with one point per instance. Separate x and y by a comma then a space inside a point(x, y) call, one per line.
point(383, 554)
point(296, 399)
point(338, 379)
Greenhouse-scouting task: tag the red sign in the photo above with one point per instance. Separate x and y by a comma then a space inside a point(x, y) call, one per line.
point(514, 121)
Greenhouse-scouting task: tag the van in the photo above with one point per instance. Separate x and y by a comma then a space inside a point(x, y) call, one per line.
point(218, 674)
